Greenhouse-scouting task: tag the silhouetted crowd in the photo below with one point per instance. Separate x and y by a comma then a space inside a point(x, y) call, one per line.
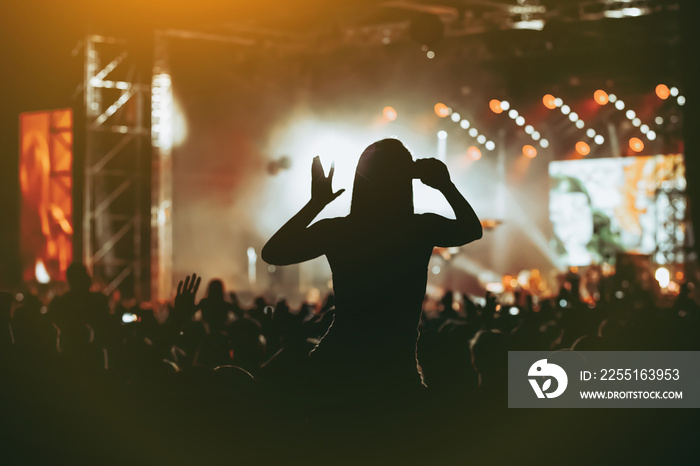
point(90, 380)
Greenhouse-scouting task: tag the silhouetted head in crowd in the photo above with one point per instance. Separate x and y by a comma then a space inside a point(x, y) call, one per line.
point(489, 351)
point(215, 290)
point(383, 181)
point(78, 278)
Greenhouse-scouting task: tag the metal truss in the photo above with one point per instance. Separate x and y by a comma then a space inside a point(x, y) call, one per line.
point(116, 143)
point(671, 213)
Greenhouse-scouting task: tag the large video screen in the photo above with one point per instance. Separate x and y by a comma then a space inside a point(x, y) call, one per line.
point(600, 207)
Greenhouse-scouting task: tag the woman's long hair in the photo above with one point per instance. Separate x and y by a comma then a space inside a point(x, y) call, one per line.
point(383, 181)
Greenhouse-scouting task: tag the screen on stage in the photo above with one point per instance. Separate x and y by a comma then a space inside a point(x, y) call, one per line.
point(604, 206)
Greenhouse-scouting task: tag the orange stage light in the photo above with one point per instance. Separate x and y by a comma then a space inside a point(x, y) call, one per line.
point(663, 91)
point(474, 153)
point(389, 113)
point(549, 101)
point(495, 106)
point(601, 97)
point(442, 110)
point(636, 144)
point(583, 148)
point(529, 151)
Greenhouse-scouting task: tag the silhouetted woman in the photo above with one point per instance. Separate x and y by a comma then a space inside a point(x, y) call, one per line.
point(379, 258)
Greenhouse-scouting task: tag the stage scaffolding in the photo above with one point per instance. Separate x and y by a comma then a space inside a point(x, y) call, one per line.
point(116, 131)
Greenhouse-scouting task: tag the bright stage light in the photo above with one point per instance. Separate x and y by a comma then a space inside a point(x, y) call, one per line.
point(536, 135)
point(474, 153)
point(590, 132)
point(473, 132)
point(565, 109)
point(520, 121)
point(513, 113)
point(673, 91)
point(582, 148)
point(636, 122)
point(529, 151)
point(662, 276)
point(681, 100)
point(549, 101)
point(442, 134)
point(389, 113)
point(442, 110)
point(580, 124)
point(651, 135)
point(544, 143)
point(40, 273)
point(495, 106)
point(601, 97)
point(490, 145)
point(481, 139)
point(599, 139)
point(612, 98)
point(558, 102)
point(505, 105)
point(644, 129)
point(455, 117)
point(630, 114)
point(430, 54)
point(529, 129)
point(619, 105)
point(573, 116)
point(636, 144)
point(662, 91)
point(464, 124)
point(659, 120)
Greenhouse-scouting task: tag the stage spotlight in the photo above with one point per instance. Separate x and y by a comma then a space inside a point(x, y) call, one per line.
point(495, 106)
point(565, 109)
point(505, 105)
point(662, 91)
point(442, 134)
point(474, 153)
point(659, 120)
point(590, 132)
point(601, 97)
point(464, 124)
point(673, 91)
point(636, 122)
point(582, 148)
point(573, 116)
point(544, 143)
point(455, 117)
point(558, 102)
point(612, 98)
point(619, 105)
point(580, 124)
point(529, 151)
point(662, 276)
point(430, 54)
point(651, 135)
point(599, 139)
point(520, 121)
point(529, 129)
point(490, 145)
point(630, 114)
point(513, 113)
point(636, 144)
point(442, 110)
point(644, 129)
point(536, 135)
point(481, 139)
point(681, 100)
point(389, 113)
point(473, 132)
point(548, 101)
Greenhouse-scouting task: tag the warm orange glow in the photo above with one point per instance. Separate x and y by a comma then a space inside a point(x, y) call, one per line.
point(582, 148)
point(636, 144)
point(389, 113)
point(442, 110)
point(474, 153)
point(529, 151)
point(679, 275)
point(601, 97)
point(495, 106)
point(663, 91)
point(549, 101)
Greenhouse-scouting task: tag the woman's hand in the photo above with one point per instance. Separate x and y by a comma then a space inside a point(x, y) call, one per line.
point(321, 189)
point(433, 173)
